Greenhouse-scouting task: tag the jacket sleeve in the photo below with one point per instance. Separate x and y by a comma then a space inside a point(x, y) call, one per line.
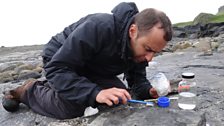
point(137, 80)
point(77, 50)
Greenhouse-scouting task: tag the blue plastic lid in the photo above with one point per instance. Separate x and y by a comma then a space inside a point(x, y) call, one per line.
point(163, 102)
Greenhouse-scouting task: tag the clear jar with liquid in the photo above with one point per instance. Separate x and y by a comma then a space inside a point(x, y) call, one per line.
point(187, 92)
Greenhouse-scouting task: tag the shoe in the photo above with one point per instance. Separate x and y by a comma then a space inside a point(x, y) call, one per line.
point(11, 98)
point(89, 111)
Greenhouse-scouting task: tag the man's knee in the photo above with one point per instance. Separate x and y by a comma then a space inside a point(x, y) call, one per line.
point(44, 100)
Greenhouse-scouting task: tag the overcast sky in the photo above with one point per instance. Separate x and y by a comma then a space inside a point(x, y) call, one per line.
point(28, 22)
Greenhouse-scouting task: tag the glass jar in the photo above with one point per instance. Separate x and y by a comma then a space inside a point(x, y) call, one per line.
point(187, 91)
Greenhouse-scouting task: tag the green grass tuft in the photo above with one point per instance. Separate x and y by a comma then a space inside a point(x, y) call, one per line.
point(216, 19)
point(183, 24)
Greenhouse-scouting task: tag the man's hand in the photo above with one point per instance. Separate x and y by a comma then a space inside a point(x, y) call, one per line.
point(153, 93)
point(113, 96)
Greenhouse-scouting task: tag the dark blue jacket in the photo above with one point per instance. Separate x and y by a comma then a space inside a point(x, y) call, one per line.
point(97, 44)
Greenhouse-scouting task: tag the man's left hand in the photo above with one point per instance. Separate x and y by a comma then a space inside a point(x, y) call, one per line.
point(153, 93)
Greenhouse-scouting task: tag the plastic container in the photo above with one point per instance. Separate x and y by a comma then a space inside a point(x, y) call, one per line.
point(161, 84)
point(163, 102)
point(187, 91)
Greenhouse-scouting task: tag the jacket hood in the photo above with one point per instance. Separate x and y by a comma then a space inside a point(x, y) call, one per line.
point(123, 17)
point(123, 12)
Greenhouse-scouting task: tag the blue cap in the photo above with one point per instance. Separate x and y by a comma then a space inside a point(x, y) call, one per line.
point(163, 102)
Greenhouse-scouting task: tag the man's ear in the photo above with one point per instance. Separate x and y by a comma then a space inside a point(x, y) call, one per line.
point(133, 31)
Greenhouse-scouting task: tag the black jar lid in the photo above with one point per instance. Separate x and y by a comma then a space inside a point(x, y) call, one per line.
point(188, 75)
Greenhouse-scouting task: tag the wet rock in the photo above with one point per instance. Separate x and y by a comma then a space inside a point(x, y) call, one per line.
point(24, 67)
point(40, 64)
point(6, 67)
point(215, 45)
point(221, 48)
point(35, 63)
point(38, 69)
point(181, 45)
point(9, 66)
point(204, 46)
point(209, 71)
point(6, 77)
point(26, 74)
point(179, 32)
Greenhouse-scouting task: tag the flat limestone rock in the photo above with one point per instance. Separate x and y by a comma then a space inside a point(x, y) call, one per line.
point(209, 71)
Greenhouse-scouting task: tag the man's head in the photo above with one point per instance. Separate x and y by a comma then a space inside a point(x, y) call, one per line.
point(149, 34)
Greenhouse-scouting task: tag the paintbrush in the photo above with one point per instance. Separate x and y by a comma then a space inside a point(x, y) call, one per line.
point(147, 103)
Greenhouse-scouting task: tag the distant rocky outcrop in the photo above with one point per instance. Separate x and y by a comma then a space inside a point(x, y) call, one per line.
point(221, 10)
point(203, 25)
point(199, 30)
point(203, 18)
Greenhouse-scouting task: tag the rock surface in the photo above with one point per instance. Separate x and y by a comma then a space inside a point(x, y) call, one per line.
point(221, 10)
point(208, 68)
point(203, 18)
point(199, 30)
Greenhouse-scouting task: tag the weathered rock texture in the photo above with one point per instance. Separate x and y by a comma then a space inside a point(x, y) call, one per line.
point(198, 56)
point(199, 30)
point(221, 10)
point(203, 18)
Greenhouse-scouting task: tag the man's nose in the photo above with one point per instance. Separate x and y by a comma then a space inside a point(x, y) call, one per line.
point(149, 56)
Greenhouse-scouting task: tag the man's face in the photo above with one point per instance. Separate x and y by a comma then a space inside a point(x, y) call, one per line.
point(145, 46)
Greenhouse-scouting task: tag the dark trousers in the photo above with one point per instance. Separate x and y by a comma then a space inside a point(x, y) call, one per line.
point(42, 99)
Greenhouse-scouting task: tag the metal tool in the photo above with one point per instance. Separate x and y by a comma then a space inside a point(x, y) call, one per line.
point(151, 100)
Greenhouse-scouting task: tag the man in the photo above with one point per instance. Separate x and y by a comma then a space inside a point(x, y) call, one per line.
point(83, 61)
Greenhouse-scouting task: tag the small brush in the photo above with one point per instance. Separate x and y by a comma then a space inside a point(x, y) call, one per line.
point(147, 103)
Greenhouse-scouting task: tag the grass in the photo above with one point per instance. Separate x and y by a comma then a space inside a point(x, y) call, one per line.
point(216, 19)
point(183, 24)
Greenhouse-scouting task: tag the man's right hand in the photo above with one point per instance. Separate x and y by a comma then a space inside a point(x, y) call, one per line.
point(113, 96)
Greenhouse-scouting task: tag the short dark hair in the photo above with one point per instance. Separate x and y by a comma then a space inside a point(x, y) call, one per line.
point(146, 19)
